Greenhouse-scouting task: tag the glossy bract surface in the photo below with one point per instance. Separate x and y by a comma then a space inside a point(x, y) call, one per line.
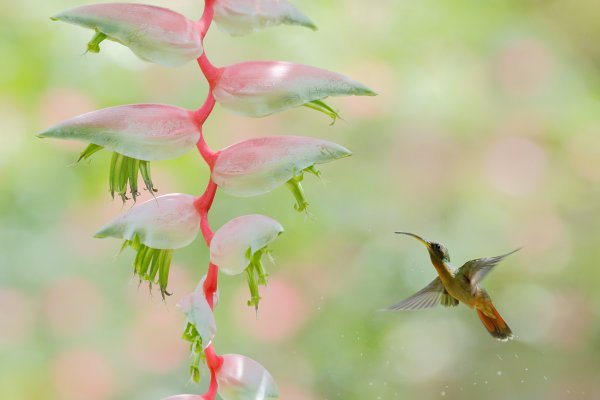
point(261, 88)
point(154, 34)
point(257, 166)
point(241, 378)
point(241, 17)
point(235, 242)
point(141, 131)
point(167, 222)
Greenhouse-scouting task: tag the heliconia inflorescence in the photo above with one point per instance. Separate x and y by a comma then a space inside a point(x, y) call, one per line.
point(140, 133)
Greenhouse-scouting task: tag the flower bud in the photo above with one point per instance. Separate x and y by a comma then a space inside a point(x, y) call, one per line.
point(261, 88)
point(241, 378)
point(259, 165)
point(200, 329)
point(154, 34)
point(137, 134)
point(241, 17)
point(154, 229)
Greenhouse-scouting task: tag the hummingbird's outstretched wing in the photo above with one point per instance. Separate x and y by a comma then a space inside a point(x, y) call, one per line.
point(430, 296)
point(476, 270)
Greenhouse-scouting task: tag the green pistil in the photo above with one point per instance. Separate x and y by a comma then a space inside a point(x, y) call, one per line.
point(89, 151)
point(123, 174)
point(150, 263)
point(256, 275)
point(197, 355)
point(296, 189)
point(321, 106)
point(94, 45)
point(253, 286)
point(313, 170)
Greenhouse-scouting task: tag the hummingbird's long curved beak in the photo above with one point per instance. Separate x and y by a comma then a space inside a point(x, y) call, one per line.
point(419, 238)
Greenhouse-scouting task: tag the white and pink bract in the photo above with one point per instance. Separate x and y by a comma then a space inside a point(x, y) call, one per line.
point(257, 166)
point(241, 378)
point(261, 88)
point(167, 222)
point(142, 131)
point(154, 34)
point(239, 238)
point(198, 312)
point(241, 17)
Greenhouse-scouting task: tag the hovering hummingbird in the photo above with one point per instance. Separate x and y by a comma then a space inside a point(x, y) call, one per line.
point(454, 286)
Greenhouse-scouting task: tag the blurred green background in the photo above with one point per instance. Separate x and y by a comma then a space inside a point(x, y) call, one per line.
point(484, 137)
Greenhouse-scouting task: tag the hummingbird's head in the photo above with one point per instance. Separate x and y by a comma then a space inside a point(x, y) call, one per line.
point(440, 251)
point(437, 251)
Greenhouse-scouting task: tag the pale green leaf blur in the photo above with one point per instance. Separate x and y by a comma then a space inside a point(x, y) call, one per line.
point(484, 136)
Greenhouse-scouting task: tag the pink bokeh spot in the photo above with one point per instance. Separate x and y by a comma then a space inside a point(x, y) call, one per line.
point(60, 103)
point(16, 317)
point(290, 392)
point(283, 311)
point(515, 165)
point(73, 306)
point(83, 374)
point(525, 66)
point(154, 341)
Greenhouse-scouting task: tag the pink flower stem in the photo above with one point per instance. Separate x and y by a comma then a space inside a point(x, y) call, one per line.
point(207, 17)
point(200, 117)
point(204, 202)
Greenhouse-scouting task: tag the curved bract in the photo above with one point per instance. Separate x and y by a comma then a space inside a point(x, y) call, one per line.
point(154, 34)
point(201, 326)
point(234, 244)
point(167, 222)
point(241, 378)
point(141, 131)
point(241, 17)
point(257, 166)
point(261, 88)
point(199, 314)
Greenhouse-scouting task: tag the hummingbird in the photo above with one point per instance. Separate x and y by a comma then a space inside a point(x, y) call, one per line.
point(454, 286)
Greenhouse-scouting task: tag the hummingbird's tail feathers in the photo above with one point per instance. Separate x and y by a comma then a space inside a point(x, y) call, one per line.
point(496, 326)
